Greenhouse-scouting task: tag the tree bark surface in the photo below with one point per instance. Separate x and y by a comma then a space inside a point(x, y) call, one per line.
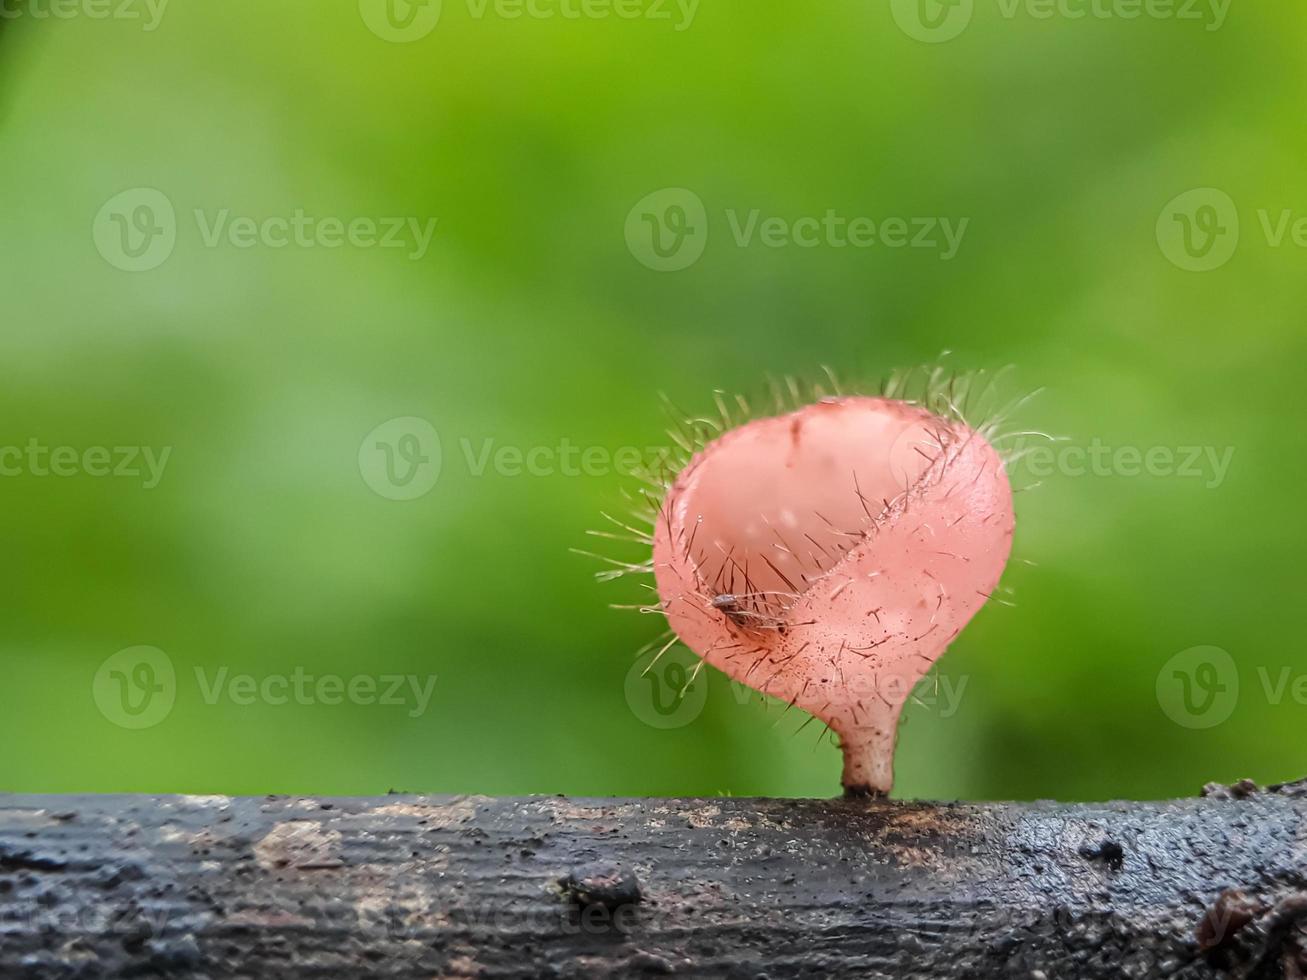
point(463, 887)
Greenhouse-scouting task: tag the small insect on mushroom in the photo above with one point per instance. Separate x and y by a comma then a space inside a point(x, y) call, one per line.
point(733, 608)
point(730, 605)
point(754, 610)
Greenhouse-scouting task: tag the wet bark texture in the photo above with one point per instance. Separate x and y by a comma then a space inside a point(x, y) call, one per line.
point(400, 886)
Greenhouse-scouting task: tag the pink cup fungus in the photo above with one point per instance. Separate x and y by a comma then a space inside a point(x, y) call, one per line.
point(827, 556)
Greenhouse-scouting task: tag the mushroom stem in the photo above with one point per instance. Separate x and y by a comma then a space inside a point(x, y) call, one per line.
point(869, 760)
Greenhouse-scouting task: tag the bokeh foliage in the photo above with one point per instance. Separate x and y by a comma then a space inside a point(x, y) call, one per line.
point(530, 322)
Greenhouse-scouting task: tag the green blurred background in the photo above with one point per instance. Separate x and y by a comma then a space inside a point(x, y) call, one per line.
point(531, 321)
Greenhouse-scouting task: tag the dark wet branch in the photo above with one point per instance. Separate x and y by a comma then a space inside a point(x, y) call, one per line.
point(552, 887)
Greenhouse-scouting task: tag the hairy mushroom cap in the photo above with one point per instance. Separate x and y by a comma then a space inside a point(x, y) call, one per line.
point(827, 557)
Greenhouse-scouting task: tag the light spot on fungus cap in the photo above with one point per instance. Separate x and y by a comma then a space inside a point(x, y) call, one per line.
point(828, 556)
